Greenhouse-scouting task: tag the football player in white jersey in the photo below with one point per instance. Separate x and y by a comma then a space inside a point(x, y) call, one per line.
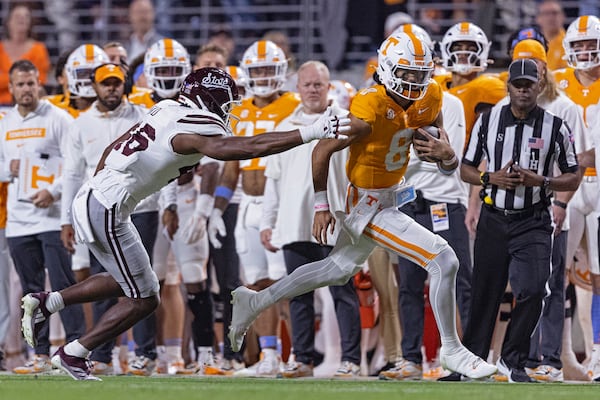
point(170, 140)
point(108, 117)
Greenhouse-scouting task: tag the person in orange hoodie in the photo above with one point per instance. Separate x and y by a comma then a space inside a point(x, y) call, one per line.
point(18, 44)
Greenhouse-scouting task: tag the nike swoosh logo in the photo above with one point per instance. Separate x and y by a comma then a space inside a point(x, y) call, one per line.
point(189, 201)
point(271, 116)
point(91, 140)
point(459, 91)
point(422, 110)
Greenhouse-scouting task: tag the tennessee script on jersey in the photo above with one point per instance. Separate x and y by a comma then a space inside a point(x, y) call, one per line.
point(380, 159)
point(249, 120)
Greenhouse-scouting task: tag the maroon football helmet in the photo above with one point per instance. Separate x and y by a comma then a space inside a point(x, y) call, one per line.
point(211, 89)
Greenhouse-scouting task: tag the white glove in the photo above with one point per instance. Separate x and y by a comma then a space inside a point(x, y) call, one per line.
point(216, 225)
point(195, 228)
point(328, 126)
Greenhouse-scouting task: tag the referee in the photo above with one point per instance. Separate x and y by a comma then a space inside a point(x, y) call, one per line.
point(520, 143)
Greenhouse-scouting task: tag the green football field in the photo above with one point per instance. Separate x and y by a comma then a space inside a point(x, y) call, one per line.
point(60, 387)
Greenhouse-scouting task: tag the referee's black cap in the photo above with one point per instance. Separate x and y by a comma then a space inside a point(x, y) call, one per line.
point(523, 69)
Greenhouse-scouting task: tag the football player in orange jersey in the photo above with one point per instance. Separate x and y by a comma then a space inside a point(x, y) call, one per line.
point(465, 49)
point(581, 83)
point(384, 118)
point(265, 66)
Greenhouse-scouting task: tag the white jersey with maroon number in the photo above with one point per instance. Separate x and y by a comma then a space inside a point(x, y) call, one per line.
point(145, 161)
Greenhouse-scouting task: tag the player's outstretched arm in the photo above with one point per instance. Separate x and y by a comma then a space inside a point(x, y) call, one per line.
point(240, 148)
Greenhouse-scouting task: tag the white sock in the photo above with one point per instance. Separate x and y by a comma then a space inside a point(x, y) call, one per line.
point(76, 349)
point(173, 353)
point(55, 302)
point(270, 353)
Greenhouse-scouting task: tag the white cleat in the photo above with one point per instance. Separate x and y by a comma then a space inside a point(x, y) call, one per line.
point(242, 315)
point(466, 363)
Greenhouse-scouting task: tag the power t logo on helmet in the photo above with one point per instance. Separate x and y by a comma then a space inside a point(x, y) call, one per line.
point(405, 65)
point(582, 43)
point(465, 48)
point(80, 64)
point(166, 65)
point(265, 65)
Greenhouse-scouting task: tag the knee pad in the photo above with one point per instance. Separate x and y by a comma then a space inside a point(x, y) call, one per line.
point(338, 274)
point(445, 262)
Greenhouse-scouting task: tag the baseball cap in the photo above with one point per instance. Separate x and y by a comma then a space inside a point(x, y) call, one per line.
point(106, 71)
point(523, 69)
point(529, 48)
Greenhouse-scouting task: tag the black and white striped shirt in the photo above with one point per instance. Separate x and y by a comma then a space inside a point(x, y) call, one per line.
point(535, 143)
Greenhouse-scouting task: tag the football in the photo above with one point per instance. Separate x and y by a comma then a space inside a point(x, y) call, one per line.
point(433, 131)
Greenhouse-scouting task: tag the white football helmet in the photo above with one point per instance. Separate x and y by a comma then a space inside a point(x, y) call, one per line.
point(583, 28)
point(239, 76)
point(405, 65)
point(79, 67)
point(166, 64)
point(264, 54)
point(465, 61)
point(342, 92)
point(418, 32)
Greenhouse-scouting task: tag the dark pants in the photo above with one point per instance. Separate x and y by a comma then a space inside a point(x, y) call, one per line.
point(302, 312)
point(34, 254)
point(546, 342)
point(227, 269)
point(144, 332)
point(516, 250)
point(412, 277)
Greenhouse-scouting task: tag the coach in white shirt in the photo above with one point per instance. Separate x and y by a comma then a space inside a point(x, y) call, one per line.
point(35, 129)
point(287, 223)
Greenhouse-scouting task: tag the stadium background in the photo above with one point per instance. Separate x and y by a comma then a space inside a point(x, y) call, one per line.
point(342, 33)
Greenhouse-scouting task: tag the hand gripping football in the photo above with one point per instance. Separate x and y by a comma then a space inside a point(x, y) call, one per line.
point(417, 135)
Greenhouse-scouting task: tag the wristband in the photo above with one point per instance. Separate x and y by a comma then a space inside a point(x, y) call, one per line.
point(450, 161)
point(560, 204)
point(321, 201)
point(223, 191)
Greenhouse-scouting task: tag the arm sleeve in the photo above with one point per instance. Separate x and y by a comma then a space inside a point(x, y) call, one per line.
point(565, 149)
point(73, 173)
point(63, 126)
point(474, 152)
point(168, 194)
point(270, 204)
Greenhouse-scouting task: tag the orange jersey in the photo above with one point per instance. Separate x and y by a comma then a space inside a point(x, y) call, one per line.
point(556, 52)
point(485, 89)
point(63, 102)
point(249, 120)
point(379, 160)
point(587, 99)
point(37, 54)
